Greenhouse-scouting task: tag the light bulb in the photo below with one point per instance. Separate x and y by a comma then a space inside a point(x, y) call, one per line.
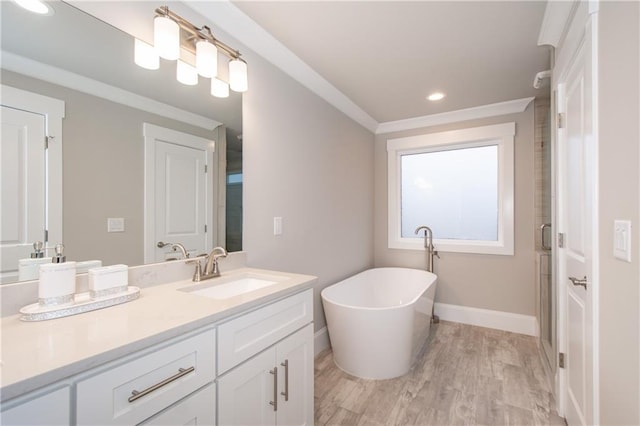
point(238, 80)
point(206, 59)
point(436, 96)
point(166, 37)
point(186, 74)
point(219, 88)
point(35, 6)
point(145, 56)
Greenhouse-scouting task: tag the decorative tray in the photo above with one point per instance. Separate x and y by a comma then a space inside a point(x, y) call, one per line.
point(83, 302)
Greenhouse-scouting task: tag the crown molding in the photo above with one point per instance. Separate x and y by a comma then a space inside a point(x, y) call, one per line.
point(483, 111)
point(51, 74)
point(234, 22)
point(555, 20)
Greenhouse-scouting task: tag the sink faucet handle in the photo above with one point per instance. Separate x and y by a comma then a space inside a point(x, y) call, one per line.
point(197, 274)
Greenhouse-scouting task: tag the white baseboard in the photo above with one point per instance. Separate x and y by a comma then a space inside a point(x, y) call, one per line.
point(507, 321)
point(320, 341)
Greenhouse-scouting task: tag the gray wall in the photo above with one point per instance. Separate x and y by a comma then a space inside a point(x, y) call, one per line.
point(311, 165)
point(501, 283)
point(619, 193)
point(103, 171)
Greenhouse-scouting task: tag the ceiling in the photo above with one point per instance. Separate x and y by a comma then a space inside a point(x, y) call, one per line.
point(375, 60)
point(387, 56)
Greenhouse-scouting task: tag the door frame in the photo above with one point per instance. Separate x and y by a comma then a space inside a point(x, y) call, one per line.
point(580, 25)
point(152, 133)
point(53, 111)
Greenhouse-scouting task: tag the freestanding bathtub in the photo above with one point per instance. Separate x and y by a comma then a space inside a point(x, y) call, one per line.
point(379, 319)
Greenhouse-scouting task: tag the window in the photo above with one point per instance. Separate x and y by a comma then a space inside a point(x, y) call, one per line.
point(458, 183)
point(234, 178)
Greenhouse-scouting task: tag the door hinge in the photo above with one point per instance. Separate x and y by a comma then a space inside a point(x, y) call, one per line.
point(562, 120)
point(46, 236)
point(561, 359)
point(560, 239)
point(205, 168)
point(47, 139)
point(205, 228)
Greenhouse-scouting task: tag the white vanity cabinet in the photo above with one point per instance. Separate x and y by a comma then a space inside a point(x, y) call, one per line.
point(196, 409)
point(133, 391)
point(274, 386)
point(42, 408)
point(255, 367)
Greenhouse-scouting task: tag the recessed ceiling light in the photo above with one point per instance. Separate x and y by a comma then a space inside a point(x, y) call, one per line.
point(35, 6)
point(435, 96)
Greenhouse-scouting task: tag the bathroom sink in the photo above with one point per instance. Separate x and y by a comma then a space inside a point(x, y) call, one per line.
point(227, 287)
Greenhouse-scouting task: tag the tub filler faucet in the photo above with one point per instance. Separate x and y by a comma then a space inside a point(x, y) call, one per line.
point(428, 245)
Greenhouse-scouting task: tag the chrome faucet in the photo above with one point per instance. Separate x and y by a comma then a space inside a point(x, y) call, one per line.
point(211, 269)
point(428, 245)
point(175, 247)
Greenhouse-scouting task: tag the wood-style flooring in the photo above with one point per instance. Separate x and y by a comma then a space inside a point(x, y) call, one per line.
point(465, 375)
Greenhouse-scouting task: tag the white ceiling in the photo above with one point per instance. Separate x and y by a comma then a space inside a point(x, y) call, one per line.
point(374, 60)
point(387, 56)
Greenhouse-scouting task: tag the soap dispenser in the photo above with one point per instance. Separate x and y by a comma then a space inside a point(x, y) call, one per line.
point(38, 250)
point(57, 283)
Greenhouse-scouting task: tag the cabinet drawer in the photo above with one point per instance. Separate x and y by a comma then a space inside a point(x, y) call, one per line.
point(243, 337)
point(51, 408)
point(196, 409)
point(131, 392)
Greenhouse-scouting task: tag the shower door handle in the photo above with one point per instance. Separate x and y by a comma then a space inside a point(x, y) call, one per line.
point(577, 281)
point(542, 239)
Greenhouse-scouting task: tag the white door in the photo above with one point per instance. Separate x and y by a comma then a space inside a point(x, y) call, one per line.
point(295, 378)
point(576, 207)
point(22, 180)
point(178, 193)
point(246, 394)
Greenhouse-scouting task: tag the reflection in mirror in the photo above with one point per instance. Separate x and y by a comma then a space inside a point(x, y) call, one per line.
point(86, 65)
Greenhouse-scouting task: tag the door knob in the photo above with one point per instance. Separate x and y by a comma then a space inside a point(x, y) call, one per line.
point(578, 281)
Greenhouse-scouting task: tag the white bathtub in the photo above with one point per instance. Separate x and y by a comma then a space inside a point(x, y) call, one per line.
point(379, 319)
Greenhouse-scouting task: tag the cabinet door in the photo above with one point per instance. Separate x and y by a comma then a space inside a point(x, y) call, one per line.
point(295, 378)
point(196, 409)
point(52, 408)
point(245, 393)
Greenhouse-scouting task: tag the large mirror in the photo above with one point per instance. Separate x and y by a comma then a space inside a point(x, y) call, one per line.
point(108, 103)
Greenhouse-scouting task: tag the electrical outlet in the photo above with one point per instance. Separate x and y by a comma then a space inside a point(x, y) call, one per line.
point(115, 224)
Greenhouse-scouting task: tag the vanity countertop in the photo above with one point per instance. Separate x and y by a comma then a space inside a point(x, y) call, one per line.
point(35, 354)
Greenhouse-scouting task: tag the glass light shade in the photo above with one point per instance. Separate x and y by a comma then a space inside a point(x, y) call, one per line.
point(145, 56)
point(166, 38)
point(186, 74)
point(238, 80)
point(206, 59)
point(219, 88)
point(35, 6)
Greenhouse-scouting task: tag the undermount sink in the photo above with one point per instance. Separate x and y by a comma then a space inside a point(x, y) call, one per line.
point(227, 287)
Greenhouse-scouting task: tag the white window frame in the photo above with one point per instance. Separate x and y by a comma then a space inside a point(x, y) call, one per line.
point(500, 135)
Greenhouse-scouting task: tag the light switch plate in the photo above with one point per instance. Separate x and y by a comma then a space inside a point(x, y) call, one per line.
point(277, 226)
point(622, 240)
point(115, 224)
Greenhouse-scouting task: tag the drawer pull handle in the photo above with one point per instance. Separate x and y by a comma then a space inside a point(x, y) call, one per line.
point(285, 364)
point(274, 403)
point(135, 395)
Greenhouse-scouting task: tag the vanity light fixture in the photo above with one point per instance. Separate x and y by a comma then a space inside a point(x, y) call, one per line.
point(145, 55)
point(436, 96)
point(186, 74)
point(175, 38)
point(35, 6)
